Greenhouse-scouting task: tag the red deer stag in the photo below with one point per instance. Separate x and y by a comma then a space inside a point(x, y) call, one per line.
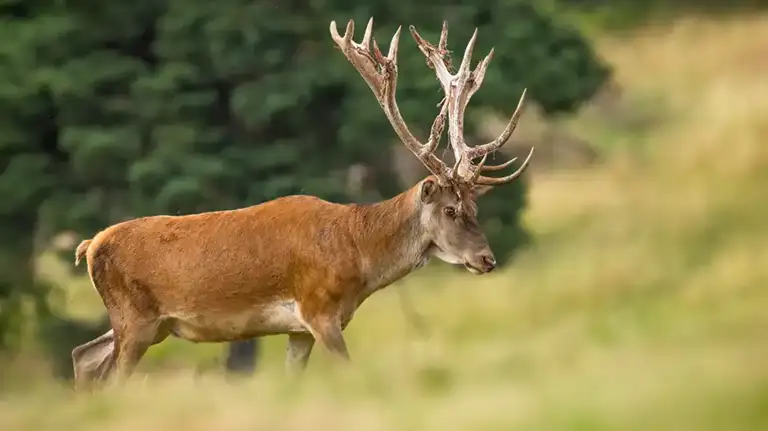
point(296, 265)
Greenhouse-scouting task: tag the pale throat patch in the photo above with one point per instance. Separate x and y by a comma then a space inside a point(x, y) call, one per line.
point(445, 257)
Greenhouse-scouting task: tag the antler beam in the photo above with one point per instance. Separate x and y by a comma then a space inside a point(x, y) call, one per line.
point(380, 73)
point(459, 89)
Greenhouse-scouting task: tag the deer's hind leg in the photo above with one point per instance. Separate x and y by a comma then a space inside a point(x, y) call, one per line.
point(134, 337)
point(133, 315)
point(93, 360)
point(106, 356)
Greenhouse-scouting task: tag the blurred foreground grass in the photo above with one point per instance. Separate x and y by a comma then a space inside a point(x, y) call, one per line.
point(642, 306)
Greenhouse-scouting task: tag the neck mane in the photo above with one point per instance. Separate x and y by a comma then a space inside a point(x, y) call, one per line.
point(390, 238)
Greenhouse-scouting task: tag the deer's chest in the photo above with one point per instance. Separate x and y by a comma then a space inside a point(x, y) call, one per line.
point(380, 281)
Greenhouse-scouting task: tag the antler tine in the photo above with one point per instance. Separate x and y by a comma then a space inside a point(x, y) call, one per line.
point(493, 146)
point(357, 54)
point(465, 62)
point(437, 129)
point(459, 162)
point(489, 181)
point(491, 168)
point(504, 137)
point(368, 32)
point(380, 73)
point(459, 89)
point(435, 55)
point(479, 76)
point(478, 169)
point(394, 44)
point(463, 86)
point(442, 46)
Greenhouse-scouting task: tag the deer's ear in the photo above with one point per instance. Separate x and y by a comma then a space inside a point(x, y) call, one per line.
point(429, 190)
point(479, 190)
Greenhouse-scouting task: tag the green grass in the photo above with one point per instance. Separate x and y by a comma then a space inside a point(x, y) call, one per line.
point(641, 305)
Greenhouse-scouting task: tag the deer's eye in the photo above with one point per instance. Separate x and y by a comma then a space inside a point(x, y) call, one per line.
point(450, 211)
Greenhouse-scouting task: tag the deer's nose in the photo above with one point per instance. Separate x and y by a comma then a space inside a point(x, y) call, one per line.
point(489, 262)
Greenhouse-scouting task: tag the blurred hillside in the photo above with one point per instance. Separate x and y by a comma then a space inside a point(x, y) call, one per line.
point(639, 305)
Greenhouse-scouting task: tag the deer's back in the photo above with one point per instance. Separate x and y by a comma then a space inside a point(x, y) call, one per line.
point(284, 248)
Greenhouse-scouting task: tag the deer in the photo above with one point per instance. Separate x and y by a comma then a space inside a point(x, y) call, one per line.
point(297, 265)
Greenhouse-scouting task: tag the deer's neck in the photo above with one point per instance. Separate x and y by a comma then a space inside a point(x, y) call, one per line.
point(391, 239)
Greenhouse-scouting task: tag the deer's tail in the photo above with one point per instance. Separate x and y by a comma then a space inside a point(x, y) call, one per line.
point(81, 250)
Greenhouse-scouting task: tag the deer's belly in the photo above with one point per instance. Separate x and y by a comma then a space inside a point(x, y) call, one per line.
point(277, 318)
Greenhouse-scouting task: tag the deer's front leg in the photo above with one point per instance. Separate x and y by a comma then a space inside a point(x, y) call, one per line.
point(323, 322)
point(297, 353)
point(324, 311)
point(328, 332)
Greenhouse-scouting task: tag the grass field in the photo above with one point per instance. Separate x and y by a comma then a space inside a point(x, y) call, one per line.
point(642, 305)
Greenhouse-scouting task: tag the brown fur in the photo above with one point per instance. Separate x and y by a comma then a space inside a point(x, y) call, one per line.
point(189, 275)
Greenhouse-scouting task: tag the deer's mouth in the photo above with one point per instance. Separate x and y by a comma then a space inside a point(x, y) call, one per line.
point(435, 250)
point(472, 269)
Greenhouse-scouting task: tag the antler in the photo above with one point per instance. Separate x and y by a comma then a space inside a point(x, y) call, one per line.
point(380, 73)
point(459, 89)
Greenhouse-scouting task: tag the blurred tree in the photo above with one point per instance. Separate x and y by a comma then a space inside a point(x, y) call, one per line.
point(114, 110)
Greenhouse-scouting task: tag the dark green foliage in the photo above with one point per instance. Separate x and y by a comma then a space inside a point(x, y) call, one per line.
point(500, 217)
point(18, 286)
point(61, 334)
point(111, 110)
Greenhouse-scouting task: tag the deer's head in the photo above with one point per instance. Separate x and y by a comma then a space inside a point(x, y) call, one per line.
point(448, 196)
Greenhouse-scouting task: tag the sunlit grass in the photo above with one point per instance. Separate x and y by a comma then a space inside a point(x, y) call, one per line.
point(642, 304)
